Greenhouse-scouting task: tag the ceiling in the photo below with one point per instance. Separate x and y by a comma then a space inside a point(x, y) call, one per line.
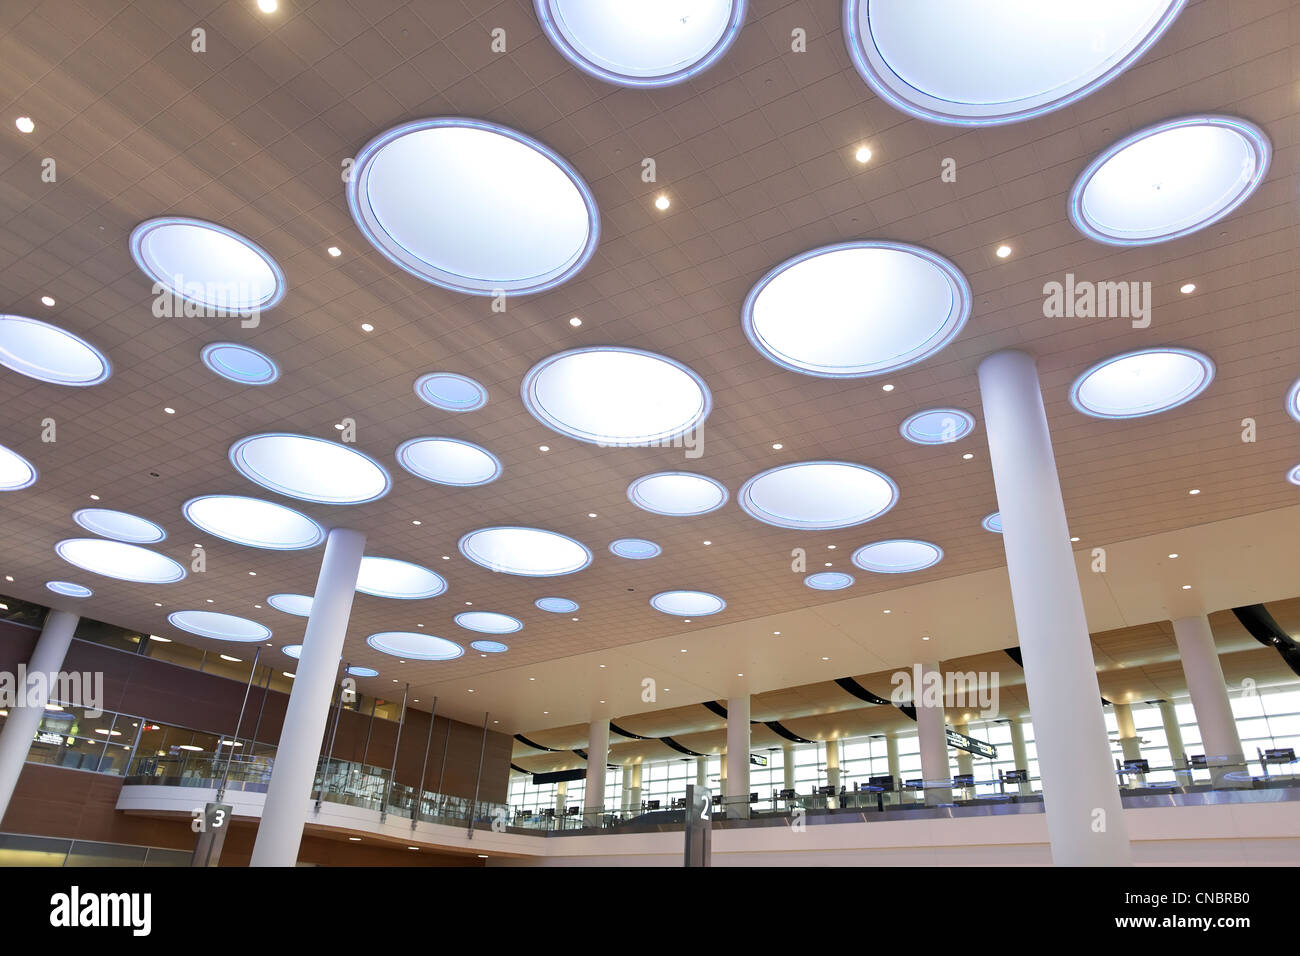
point(757, 155)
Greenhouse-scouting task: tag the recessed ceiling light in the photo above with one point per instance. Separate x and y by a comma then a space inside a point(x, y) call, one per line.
point(557, 605)
point(888, 611)
point(115, 559)
point(1144, 382)
point(825, 658)
point(419, 647)
point(831, 547)
point(575, 321)
point(818, 495)
point(1173, 554)
point(925, 637)
point(828, 581)
point(9, 577)
point(239, 363)
point(531, 552)
point(708, 543)
point(591, 514)
point(401, 580)
point(253, 522)
point(887, 388)
point(1194, 491)
point(967, 457)
point(451, 392)
point(776, 633)
point(170, 411)
point(269, 6)
point(68, 589)
point(937, 426)
point(47, 301)
point(777, 446)
point(1074, 539)
point(489, 622)
point(310, 469)
point(367, 327)
point(416, 522)
point(677, 493)
point(119, 526)
point(47, 353)
point(334, 251)
point(681, 603)
point(862, 155)
point(543, 447)
point(24, 124)
point(1187, 288)
point(573, 618)
point(637, 549)
point(223, 627)
point(662, 202)
point(1187, 587)
point(207, 265)
point(449, 461)
point(94, 497)
point(446, 557)
point(897, 556)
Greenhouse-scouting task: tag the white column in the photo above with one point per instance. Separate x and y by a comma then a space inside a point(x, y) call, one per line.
point(1174, 737)
point(593, 803)
point(1085, 820)
point(634, 797)
point(293, 774)
point(833, 764)
point(25, 714)
point(891, 757)
point(561, 797)
point(933, 736)
point(1129, 746)
point(1209, 694)
point(787, 765)
point(1019, 752)
point(737, 759)
point(701, 771)
point(965, 763)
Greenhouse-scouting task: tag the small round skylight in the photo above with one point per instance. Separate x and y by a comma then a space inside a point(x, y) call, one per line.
point(489, 647)
point(16, 472)
point(310, 469)
point(937, 426)
point(677, 493)
point(48, 353)
point(209, 266)
point(68, 589)
point(616, 396)
point(489, 622)
point(1293, 475)
point(119, 526)
point(1140, 383)
point(818, 495)
point(828, 581)
point(239, 363)
point(642, 44)
point(1169, 180)
point(557, 605)
point(295, 651)
point(449, 461)
point(687, 603)
point(856, 309)
point(252, 522)
point(223, 627)
point(473, 207)
point(115, 559)
point(979, 64)
point(451, 392)
point(1293, 401)
point(638, 549)
point(298, 605)
point(528, 551)
point(897, 556)
point(992, 522)
point(391, 578)
point(415, 646)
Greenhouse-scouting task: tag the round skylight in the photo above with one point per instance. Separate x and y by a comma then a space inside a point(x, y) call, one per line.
point(677, 493)
point(414, 646)
point(828, 581)
point(391, 578)
point(856, 309)
point(451, 392)
point(818, 495)
point(897, 556)
point(449, 461)
point(937, 426)
point(115, 559)
point(557, 605)
point(687, 603)
point(489, 647)
point(68, 589)
point(252, 522)
point(1293, 475)
point(298, 605)
point(223, 627)
point(295, 651)
point(473, 207)
point(616, 396)
point(527, 551)
point(119, 526)
point(239, 363)
point(638, 549)
point(980, 64)
point(16, 472)
point(489, 622)
point(642, 44)
point(1169, 180)
point(206, 265)
point(310, 469)
point(49, 354)
point(992, 522)
point(1142, 383)
point(1293, 401)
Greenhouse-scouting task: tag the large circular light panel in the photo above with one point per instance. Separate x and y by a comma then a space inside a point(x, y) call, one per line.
point(119, 526)
point(970, 63)
point(531, 552)
point(239, 363)
point(1169, 180)
point(557, 605)
point(391, 578)
point(252, 522)
point(310, 469)
point(298, 605)
point(642, 43)
point(115, 559)
point(16, 472)
point(414, 646)
point(677, 493)
point(637, 549)
point(207, 265)
point(857, 309)
point(489, 622)
point(451, 392)
point(898, 556)
point(937, 426)
point(48, 353)
point(223, 627)
point(687, 603)
point(473, 206)
point(1140, 383)
point(449, 461)
point(68, 589)
point(818, 495)
point(828, 581)
point(616, 396)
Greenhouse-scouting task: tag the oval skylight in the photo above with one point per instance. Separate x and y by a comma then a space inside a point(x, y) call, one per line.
point(897, 556)
point(828, 581)
point(473, 207)
point(119, 526)
point(1169, 180)
point(391, 578)
point(253, 522)
point(207, 265)
point(1293, 475)
point(115, 559)
point(637, 549)
point(1293, 401)
point(16, 472)
point(687, 603)
point(937, 426)
point(223, 627)
point(298, 605)
point(818, 495)
point(295, 651)
point(1140, 383)
point(992, 522)
point(490, 647)
point(449, 461)
point(528, 551)
point(677, 493)
point(68, 589)
point(489, 622)
point(616, 396)
point(856, 309)
point(48, 353)
point(451, 392)
point(979, 64)
point(310, 469)
point(642, 44)
point(239, 363)
point(557, 605)
point(414, 646)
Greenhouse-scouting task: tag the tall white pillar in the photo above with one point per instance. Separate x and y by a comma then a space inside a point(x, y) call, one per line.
point(787, 766)
point(1129, 745)
point(891, 757)
point(1174, 738)
point(701, 771)
point(1209, 693)
point(1019, 752)
point(931, 730)
point(25, 714)
point(833, 764)
point(965, 763)
point(634, 797)
point(288, 794)
point(593, 803)
point(561, 797)
point(737, 787)
point(1085, 819)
